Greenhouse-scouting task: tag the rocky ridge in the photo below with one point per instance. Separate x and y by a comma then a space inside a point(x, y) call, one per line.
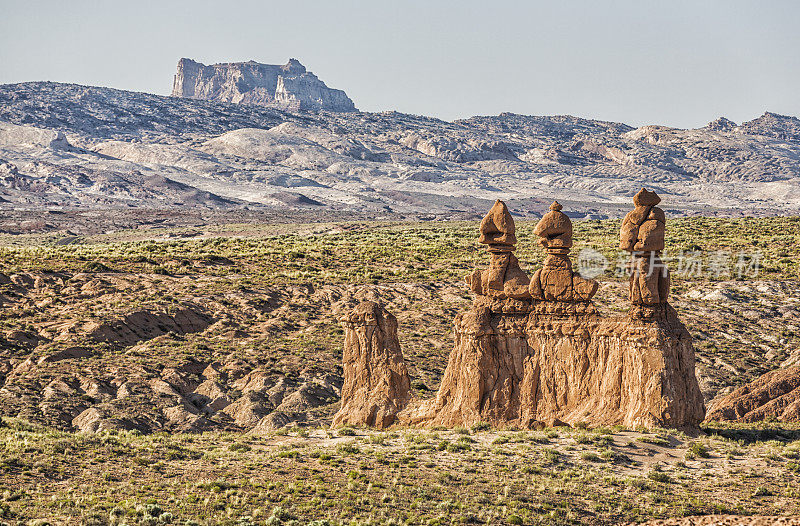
point(116, 145)
point(774, 396)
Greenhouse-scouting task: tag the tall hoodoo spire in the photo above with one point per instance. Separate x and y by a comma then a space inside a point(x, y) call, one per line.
point(504, 279)
point(642, 234)
point(556, 281)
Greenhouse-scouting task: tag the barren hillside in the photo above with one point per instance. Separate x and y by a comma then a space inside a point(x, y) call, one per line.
point(80, 146)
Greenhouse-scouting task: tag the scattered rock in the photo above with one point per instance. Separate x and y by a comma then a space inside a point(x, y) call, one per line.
point(184, 418)
point(211, 396)
point(793, 359)
point(256, 380)
point(94, 420)
point(66, 354)
point(249, 409)
point(145, 325)
point(24, 338)
point(181, 380)
point(12, 135)
point(273, 421)
point(310, 394)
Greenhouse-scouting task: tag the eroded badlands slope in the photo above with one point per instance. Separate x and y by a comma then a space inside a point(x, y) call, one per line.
point(242, 333)
point(99, 147)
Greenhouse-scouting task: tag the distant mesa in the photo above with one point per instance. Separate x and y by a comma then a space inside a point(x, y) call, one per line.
point(289, 86)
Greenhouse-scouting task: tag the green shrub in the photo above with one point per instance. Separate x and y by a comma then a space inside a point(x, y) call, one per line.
point(481, 426)
point(762, 491)
point(590, 457)
point(656, 440)
point(698, 449)
point(658, 476)
point(349, 448)
point(551, 455)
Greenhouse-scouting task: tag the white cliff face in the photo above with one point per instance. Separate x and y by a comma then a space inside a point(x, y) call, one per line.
point(288, 86)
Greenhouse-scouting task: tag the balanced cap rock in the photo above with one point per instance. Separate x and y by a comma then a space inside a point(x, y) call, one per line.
point(555, 228)
point(504, 278)
point(533, 354)
point(497, 228)
point(556, 281)
point(642, 234)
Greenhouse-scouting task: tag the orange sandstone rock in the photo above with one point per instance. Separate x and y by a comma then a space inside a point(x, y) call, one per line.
point(642, 234)
point(498, 228)
point(504, 278)
point(555, 228)
point(542, 359)
point(376, 384)
point(772, 396)
point(556, 281)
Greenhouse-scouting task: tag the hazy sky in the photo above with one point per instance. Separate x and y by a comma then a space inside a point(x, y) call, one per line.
point(681, 63)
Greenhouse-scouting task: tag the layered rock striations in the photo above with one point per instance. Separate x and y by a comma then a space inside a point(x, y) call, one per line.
point(369, 163)
point(288, 86)
point(773, 396)
point(534, 352)
point(376, 383)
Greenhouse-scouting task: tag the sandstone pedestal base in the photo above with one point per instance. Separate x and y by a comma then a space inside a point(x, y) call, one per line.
point(516, 370)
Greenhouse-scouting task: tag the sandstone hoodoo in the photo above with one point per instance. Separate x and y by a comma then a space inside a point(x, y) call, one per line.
point(288, 86)
point(503, 279)
point(534, 352)
point(642, 234)
point(556, 281)
point(376, 384)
